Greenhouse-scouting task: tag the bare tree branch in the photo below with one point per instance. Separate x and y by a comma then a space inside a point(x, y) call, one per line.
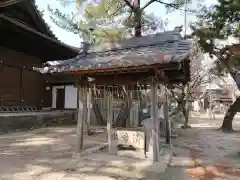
point(128, 4)
point(161, 2)
point(148, 4)
point(168, 4)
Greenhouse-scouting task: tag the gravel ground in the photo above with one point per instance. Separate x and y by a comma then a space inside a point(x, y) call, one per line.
point(25, 155)
point(203, 153)
point(200, 153)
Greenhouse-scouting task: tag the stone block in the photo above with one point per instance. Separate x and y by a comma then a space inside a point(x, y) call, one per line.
point(140, 154)
point(148, 125)
point(134, 137)
point(91, 150)
point(157, 170)
point(24, 122)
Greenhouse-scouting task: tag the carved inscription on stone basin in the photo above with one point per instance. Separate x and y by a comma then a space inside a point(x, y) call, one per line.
point(128, 137)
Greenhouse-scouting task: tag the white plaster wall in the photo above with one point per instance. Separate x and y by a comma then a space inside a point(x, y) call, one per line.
point(54, 94)
point(70, 97)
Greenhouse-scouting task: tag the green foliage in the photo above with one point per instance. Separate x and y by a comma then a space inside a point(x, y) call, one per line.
point(65, 21)
point(101, 18)
point(110, 19)
point(104, 19)
point(219, 22)
point(176, 4)
point(104, 10)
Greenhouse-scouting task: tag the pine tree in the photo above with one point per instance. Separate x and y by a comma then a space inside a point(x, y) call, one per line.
point(112, 19)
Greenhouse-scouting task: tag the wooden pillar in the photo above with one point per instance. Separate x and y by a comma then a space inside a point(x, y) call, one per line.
point(130, 100)
point(166, 118)
point(89, 99)
point(155, 121)
point(21, 86)
point(82, 107)
point(109, 121)
point(187, 89)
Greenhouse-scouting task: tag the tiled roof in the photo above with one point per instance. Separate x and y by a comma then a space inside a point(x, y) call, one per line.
point(32, 7)
point(24, 26)
point(44, 23)
point(219, 94)
point(4, 3)
point(147, 50)
point(30, 4)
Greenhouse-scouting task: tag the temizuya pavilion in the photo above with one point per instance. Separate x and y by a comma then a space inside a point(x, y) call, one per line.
point(148, 60)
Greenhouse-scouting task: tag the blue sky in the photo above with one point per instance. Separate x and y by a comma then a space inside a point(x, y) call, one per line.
point(174, 19)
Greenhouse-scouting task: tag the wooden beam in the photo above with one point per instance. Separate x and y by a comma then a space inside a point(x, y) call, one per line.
point(89, 100)
point(82, 90)
point(85, 110)
point(120, 80)
point(127, 78)
point(77, 109)
point(17, 67)
point(155, 121)
point(142, 78)
point(129, 69)
point(166, 118)
point(6, 3)
point(21, 85)
point(109, 121)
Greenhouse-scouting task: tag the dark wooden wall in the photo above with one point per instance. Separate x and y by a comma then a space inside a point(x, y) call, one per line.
point(19, 84)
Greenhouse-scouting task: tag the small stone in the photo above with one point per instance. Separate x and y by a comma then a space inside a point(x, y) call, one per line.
point(70, 169)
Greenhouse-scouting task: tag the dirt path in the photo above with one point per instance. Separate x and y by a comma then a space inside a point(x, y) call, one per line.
point(26, 155)
point(202, 153)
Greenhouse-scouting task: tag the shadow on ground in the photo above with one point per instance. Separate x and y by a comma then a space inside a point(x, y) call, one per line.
point(203, 153)
point(27, 154)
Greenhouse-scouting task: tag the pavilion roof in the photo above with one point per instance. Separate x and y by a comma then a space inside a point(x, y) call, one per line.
point(23, 22)
point(13, 10)
point(161, 48)
point(219, 94)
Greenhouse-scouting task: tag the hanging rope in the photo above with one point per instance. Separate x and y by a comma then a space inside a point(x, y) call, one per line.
point(95, 106)
point(124, 112)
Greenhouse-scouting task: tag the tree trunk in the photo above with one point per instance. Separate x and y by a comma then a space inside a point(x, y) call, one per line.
point(137, 18)
point(186, 116)
point(233, 109)
point(182, 107)
point(228, 118)
point(138, 26)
